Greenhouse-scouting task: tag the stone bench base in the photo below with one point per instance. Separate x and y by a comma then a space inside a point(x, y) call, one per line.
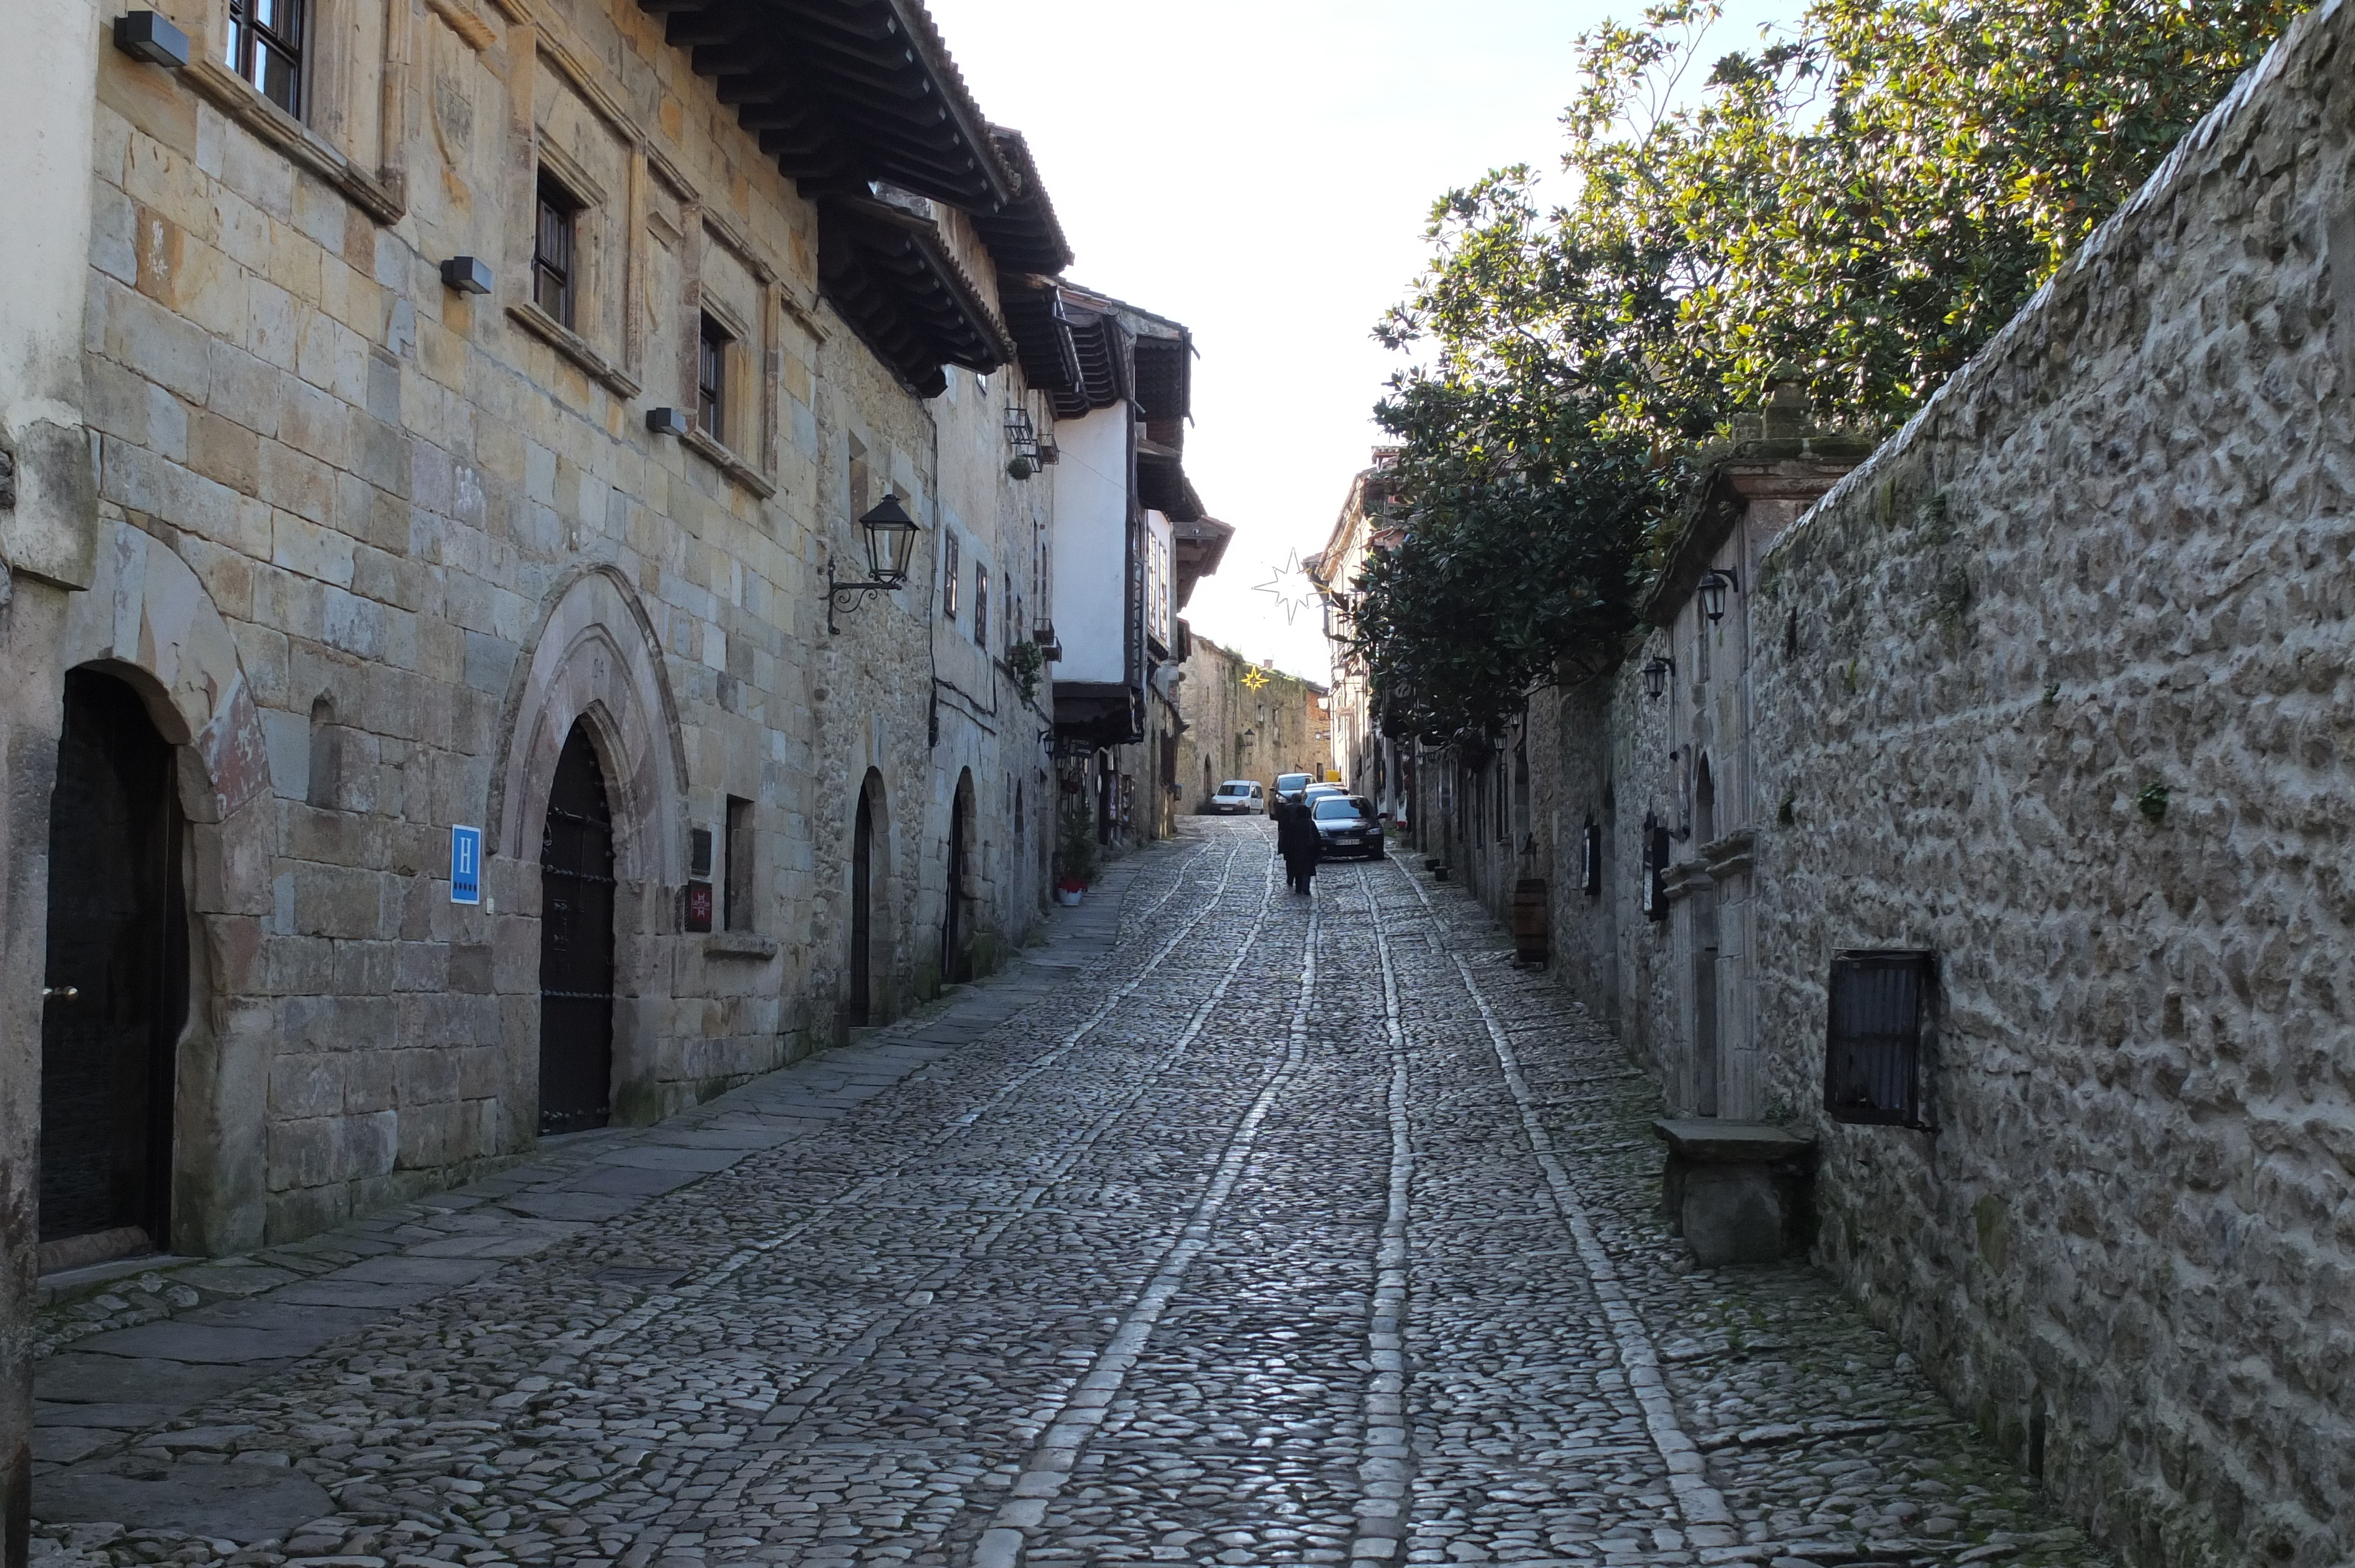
point(1738, 1191)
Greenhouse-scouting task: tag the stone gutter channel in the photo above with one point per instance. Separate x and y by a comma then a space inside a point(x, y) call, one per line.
point(124, 1350)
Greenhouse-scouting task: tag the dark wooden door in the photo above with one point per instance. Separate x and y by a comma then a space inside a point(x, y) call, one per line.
point(117, 943)
point(862, 911)
point(954, 967)
point(576, 945)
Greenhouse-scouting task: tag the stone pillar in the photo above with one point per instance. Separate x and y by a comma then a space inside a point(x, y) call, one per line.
point(47, 548)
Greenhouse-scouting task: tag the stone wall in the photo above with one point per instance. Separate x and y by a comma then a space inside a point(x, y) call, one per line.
point(1234, 730)
point(2072, 661)
point(2054, 686)
point(47, 548)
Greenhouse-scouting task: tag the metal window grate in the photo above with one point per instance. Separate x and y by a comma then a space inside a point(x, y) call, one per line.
point(1873, 1055)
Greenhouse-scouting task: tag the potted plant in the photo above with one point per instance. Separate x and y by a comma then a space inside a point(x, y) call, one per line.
point(1077, 855)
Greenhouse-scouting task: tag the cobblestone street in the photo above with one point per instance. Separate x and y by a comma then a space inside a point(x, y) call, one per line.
point(1292, 1230)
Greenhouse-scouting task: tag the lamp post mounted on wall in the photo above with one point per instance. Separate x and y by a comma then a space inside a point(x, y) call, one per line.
point(890, 545)
point(1711, 590)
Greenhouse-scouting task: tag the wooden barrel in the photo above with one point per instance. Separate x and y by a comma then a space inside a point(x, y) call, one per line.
point(1530, 920)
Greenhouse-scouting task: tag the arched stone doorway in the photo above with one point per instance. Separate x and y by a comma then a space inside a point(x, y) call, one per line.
point(595, 670)
point(115, 991)
point(956, 916)
point(867, 828)
point(149, 631)
point(576, 945)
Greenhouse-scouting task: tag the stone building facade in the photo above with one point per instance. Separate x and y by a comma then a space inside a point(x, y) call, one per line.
point(1373, 764)
point(1245, 721)
point(433, 724)
point(1132, 539)
point(2048, 688)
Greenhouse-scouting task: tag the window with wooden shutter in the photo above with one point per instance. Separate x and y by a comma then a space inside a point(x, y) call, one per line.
point(1872, 1052)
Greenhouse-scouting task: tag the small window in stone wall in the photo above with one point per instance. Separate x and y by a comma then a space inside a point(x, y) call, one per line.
point(1656, 865)
point(1873, 1055)
point(711, 381)
point(265, 47)
point(1589, 859)
point(737, 904)
point(981, 604)
point(554, 250)
point(951, 572)
point(325, 786)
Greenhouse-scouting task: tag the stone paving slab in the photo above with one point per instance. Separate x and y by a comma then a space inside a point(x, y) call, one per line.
point(240, 1503)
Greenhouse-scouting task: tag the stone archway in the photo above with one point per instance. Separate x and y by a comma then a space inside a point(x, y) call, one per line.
point(149, 622)
point(867, 961)
point(596, 663)
point(958, 900)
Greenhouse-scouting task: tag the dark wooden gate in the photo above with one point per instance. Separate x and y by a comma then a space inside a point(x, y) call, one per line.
point(117, 977)
point(862, 910)
point(576, 945)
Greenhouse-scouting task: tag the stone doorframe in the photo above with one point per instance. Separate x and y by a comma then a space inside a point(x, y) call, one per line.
point(594, 661)
point(149, 620)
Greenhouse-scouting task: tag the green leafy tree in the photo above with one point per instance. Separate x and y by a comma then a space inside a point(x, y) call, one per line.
point(1864, 199)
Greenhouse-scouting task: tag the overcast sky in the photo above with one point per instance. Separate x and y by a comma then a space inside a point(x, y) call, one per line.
point(1261, 172)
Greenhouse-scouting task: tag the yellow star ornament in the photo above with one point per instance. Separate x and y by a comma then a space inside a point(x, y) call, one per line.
point(1255, 677)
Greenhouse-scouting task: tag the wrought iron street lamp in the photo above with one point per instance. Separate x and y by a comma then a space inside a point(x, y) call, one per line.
point(1656, 677)
point(890, 545)
point(1711, 590)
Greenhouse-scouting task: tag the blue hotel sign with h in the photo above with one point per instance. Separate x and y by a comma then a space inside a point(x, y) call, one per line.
point(465, 865)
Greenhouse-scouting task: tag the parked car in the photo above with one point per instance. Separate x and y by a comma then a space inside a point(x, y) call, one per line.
point(1316, 792)
point(1347, 825)
point(1239, 795)
point(1288, 786)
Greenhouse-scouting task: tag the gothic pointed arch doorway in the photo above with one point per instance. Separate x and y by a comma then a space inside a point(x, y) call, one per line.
point(859, 1009)
point(956, 920)
point(116, 988)
point(576, 944)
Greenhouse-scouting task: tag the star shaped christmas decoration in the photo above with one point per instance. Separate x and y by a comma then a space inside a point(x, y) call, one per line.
point(1255, 677)
point(1294, 588)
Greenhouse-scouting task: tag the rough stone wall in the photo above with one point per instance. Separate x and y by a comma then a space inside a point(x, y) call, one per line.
point(2068, 705)
point(1232, 731)
point(432, 534)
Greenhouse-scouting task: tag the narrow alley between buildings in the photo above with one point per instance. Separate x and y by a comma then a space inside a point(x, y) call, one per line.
point(1273, 1230)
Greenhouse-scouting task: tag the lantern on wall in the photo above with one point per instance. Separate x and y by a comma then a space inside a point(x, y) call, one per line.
point(1711, 590)
point(891, 535)
point(1656, 677)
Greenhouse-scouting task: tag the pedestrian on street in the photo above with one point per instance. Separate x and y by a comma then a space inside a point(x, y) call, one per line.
point(1296, 841)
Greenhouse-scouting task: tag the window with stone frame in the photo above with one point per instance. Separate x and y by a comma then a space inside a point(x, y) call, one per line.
point(555, 250)
point(856, 475)
point(736, 908)
point(265, 47)
point(711, 381)
point(950, 572)
point(981, 604)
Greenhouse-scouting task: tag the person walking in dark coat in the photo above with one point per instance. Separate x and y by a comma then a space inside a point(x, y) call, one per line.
point(1296, 841)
